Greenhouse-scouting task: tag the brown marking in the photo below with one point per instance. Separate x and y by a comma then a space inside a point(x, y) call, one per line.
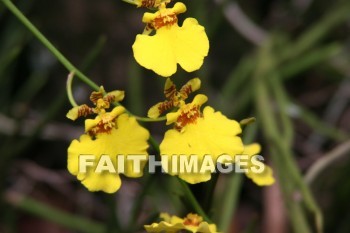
point(188, 117)
point(185, 91)
point(166, 20)
point(85, 110)
point(148, 3)
point(109, 98)
point(170, 92)
point(166, 105)
point(95, 95)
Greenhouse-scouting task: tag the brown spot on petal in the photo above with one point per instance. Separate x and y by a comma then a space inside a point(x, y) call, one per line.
point(166, 20)
point(187, 116)
point(164, 106)
point(149, 3)
point(84, 110)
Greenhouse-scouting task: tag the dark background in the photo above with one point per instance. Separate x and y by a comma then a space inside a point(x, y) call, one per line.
point(97, 36)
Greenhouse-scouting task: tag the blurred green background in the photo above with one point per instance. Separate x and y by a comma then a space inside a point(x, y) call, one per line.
point(287, 63)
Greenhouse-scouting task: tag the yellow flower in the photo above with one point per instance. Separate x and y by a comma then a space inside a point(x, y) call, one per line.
point(199, 134)
point(260, 178)
point(171, 44)
point(173, 224)
point(125, 137)
point(109, 135)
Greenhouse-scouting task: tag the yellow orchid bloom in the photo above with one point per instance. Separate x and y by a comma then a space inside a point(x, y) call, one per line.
point(171, 45)
point(199, 134)
point(173, 224)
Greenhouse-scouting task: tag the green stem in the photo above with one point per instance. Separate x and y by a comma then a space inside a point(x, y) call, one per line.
point(313, 121)
point(192, 199)
point(326, 161)
point(139, 200)
point(309, 59)
point(313, 35)
point(134, 88)
point(230, 201)
point(272, 133)
point(93, 54)
point(69, 90)
point(187, 191)
point(154, 144)
point(279, 140)
point(281, 100)
point(112, 224)
point(64, 61)
point(210, 191)
point(44, 211)
point(48, 44)
point(146, 119)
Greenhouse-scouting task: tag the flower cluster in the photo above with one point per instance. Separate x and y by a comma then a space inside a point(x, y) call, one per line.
point(195, 130)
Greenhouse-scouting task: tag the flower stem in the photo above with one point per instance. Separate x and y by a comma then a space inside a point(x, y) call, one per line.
point(187, 191)
point(64, 61)
point(69, 89)
point(192, 199)
point(72, 222)
point(280, 136)
point(146, 119)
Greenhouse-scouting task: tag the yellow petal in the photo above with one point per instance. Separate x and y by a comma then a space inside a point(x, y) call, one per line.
point(133, 141)
point(169, 88)
point(164, 227)
point(154, 112)
point(73, 114)
point(199, 99)
point(252, 149)
point(117, 94)
point(192, 45)
point(106, 182)
point(195, 178)
point(191, 86)
point(179, 8)
point(204, 227)
point(156, 52)
point(172, 117)
point(262, 179)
